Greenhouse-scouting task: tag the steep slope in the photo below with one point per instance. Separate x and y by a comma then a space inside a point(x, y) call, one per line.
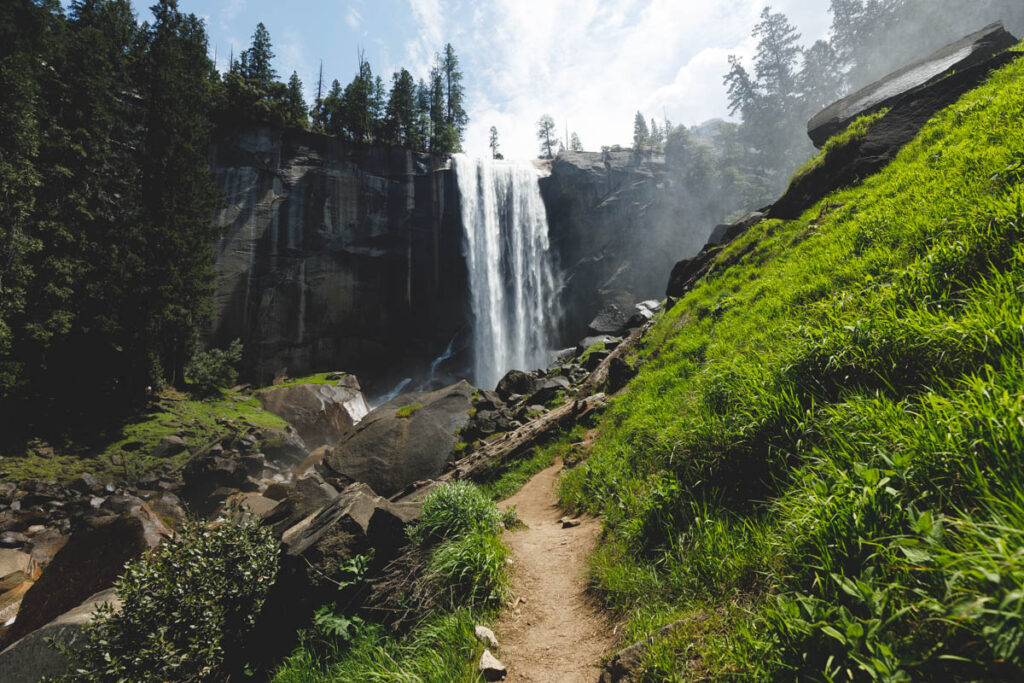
point(816, 473)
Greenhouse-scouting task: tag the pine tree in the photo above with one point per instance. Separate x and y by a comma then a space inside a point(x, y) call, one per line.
point(258, 71)
point(455, 114)
point(545, 131)
point(172, 302)
point(494, 145)
point(400, 127)
point(294, 105)
point(640, 133)
point(574, 143)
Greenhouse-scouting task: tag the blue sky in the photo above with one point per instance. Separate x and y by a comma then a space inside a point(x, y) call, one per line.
point(591, 64)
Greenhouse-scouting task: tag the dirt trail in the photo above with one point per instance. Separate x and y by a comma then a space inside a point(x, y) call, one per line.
point(555, 634)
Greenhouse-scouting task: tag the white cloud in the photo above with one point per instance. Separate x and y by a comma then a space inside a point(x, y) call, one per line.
point(353, 18)
point(593, 63)
point(231, 10)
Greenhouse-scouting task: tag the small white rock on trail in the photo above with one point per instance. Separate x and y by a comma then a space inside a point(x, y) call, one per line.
point(554, 633)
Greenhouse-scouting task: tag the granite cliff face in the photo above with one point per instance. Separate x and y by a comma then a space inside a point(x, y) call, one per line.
point(335, 255)
point(614, 222)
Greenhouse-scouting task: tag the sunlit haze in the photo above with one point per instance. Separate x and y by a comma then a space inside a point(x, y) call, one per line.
point(590, 64)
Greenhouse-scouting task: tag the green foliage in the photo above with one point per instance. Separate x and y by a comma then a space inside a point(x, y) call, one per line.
point(107, 274)
point(821, 477)
point(443, 649)
point(215, 368)
point(453, 509)
point(124, 451)
point(186, 607)
point(470, 570)
point(407, 411)
point(464, 581)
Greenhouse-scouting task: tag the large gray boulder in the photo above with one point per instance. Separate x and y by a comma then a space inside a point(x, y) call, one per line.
point(405, 440)
point(33, 657)
point(322, 414)
point(968, 52)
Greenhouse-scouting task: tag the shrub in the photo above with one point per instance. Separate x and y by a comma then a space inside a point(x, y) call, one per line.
point(453, 509)
point(185, 607)
point(215, 368)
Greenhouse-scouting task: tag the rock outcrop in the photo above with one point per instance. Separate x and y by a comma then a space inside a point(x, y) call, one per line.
point(335, 254)
point(405, 440)
point(614, 222)
point(969, 52)
point(913, 95)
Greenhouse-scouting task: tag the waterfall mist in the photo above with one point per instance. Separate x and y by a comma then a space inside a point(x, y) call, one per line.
point(510, 264)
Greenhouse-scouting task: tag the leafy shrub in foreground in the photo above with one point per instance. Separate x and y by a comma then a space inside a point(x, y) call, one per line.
point(184, 606)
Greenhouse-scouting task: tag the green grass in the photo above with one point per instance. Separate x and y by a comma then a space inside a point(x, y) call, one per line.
point(127, 451)
point(505, 480)
point(407, 411)
point(441, 650)
point(817, 472)
point(319, 378)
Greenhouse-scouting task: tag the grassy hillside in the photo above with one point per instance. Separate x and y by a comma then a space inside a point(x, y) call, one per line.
point(820, 467)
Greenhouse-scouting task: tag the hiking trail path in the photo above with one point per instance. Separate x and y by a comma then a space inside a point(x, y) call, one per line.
point(553, 631)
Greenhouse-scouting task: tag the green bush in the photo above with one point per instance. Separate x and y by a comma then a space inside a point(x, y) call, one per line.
point(215, 368)
point(185, 607)
point(453, 509)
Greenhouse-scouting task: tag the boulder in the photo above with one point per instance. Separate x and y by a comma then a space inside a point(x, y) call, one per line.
point(609, 342)
point(549, 389)
point(90, 562)
point(12, 561)
point(611, 320)
point(516, 382)
point(282, 446)
point(619, 374)
point(485, 636)
point(405, 440)
point(322, 414)
point(32, 657)
point(169, 446)
point(964, 54)
point(45, 545)
point(491, 668)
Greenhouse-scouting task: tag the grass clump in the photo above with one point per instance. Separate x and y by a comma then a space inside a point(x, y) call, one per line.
point(407, 411)
point(186, 608)
point(455, 509)
point(821, 480)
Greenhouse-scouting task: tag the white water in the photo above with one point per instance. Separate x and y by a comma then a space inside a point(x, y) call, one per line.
point(511, 272)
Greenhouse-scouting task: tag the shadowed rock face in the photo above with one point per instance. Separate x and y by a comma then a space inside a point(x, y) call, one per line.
point(615, 226)
point(335, 255)
point(965, 53)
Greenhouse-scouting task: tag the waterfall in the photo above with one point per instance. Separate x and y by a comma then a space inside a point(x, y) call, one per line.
point(511, 275)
